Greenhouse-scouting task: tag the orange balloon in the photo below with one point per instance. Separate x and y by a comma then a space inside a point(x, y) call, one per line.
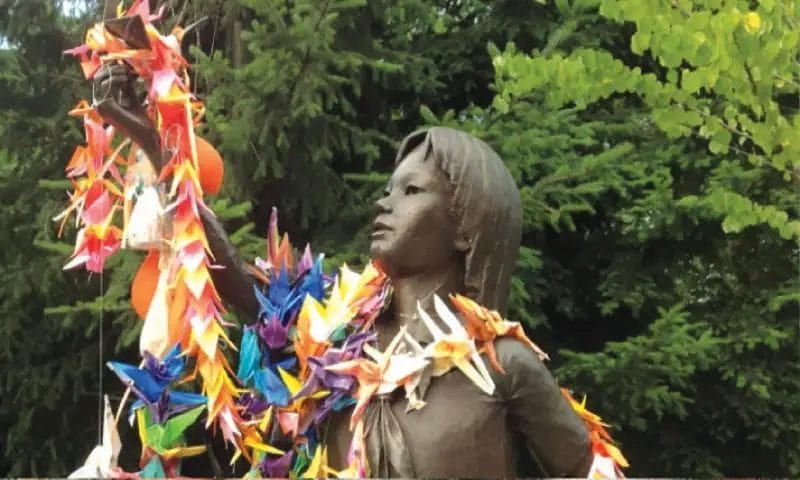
point(144, 284)
point(210, 167)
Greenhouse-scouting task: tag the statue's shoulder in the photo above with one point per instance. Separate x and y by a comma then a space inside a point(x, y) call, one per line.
point(505, 343)
point(516, 356)
point(513, 348)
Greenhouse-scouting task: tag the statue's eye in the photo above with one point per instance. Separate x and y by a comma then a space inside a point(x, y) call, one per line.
point(413, 189)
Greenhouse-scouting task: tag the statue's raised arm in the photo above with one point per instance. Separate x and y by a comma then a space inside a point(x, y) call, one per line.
point(120, 107)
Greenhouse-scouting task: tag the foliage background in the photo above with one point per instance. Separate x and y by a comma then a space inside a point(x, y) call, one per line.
point(655, 144)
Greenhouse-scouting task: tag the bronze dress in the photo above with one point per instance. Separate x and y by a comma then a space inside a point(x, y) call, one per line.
point(463, 432)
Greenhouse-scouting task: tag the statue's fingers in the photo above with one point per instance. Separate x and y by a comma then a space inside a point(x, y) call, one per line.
point(101, 75)
point(120, 68)
point(106, 88)
point(128, 72)
point(105, 79)
point(117, 82)
point(117, 72)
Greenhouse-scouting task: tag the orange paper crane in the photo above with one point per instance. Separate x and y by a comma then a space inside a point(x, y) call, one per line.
point(381, 374)
point(95, 198)
point(199, 307)
point(601, 441)
point(190, 305)
point(486, 325)
point(195, 306)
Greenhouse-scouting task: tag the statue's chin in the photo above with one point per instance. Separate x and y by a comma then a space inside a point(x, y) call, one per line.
point(377, 251)
point(380, 251)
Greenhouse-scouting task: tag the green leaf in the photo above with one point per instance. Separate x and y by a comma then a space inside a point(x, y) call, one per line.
point(691, 81)
point(58, 185)
point(640, 41)
point(439, 26)
point(500, 104)
point(720, 141)
point(59, 248)
point(563, 7)
point(428, 116)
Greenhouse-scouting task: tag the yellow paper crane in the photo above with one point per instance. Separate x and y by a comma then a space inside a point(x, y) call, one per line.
point(455, 349)
point(601, 440)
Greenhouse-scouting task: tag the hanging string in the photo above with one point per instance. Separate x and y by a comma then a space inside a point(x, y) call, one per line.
point(107, 13)
point(100, 406)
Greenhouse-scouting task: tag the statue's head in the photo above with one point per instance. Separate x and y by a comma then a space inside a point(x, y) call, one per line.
point(451, 202)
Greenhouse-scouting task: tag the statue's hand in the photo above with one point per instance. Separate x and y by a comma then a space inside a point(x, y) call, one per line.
point(116, 100)
point(118, 82)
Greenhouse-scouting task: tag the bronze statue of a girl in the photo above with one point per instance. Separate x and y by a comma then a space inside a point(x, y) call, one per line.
point(449, 222)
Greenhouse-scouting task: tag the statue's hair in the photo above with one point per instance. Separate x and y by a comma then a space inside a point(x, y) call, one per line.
point(486, 203)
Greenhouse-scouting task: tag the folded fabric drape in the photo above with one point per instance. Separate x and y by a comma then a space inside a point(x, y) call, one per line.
point(387, 450)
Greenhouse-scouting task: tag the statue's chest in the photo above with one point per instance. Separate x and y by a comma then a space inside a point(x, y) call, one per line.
point(459, 430)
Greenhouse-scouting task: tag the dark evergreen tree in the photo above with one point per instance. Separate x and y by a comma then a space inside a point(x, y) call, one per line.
point(654, 144)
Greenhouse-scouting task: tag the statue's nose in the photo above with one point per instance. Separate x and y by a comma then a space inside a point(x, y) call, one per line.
point(382, 205)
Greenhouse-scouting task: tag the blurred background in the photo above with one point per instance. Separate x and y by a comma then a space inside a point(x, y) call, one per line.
point(656, 145)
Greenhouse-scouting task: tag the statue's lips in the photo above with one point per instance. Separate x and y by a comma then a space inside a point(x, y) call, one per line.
point(379, 228)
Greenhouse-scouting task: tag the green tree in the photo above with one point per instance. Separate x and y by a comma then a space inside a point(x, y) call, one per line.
point(51, 342)
point(654, 143)
point(658, 171)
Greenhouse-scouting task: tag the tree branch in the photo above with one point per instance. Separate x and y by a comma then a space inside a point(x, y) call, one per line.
point(304, 63)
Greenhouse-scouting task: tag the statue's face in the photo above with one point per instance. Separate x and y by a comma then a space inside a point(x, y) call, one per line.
point(414, 230)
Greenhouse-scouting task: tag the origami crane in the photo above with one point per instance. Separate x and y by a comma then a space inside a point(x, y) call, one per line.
point(296, 417)
point(340, 385)
point(381, 375)
point(279, 250)
point(163, 444)
point(601, 441)
point(603, 468)
point(94, 195)
point(351, 303)
point(150, 384)
point(249, 355)
point(276, 466)
point(486, 325)
point(417, 383)
point(319, 464)
point(102, 462)
point(166, 438)
point(94, 244)
point(279, 307)
point(263, 454)
point(455, 349)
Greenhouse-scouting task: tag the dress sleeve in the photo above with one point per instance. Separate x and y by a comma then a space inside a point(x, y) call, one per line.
point(553, 432)
point(233, 283)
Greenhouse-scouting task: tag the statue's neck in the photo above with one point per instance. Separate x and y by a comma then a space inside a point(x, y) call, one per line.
point(411, 290)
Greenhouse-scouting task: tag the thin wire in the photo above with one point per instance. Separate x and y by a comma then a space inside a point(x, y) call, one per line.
point(100, 362)
point(100, 340)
